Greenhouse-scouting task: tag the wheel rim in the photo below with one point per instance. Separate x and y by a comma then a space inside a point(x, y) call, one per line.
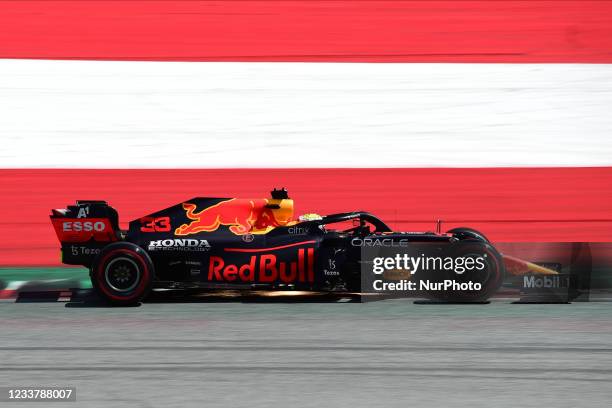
point(122, 274)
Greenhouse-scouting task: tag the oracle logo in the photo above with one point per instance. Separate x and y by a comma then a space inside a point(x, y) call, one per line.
point(78, 226)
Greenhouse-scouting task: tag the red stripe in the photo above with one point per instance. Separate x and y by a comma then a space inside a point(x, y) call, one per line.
point(425, 31)
point(267, 249)
point(512, 204)
point(8, 294)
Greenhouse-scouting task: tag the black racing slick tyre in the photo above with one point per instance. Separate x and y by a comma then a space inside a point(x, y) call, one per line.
point(468, 233)
point(123, 274)
point(489, 278)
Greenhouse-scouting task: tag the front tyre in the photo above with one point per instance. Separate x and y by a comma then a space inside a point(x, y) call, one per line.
point(122, 274)
point(490, 276)
point(464, 233)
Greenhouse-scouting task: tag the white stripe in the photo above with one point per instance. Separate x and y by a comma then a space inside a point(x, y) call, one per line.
point(183, 114)
point(15, 285)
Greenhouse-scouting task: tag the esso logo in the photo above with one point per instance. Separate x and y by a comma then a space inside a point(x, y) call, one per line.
point(78, 226)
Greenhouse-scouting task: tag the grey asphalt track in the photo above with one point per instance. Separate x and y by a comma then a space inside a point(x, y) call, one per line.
point(389, 353)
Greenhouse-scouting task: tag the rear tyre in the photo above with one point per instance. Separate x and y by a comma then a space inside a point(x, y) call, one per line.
point(122, 274)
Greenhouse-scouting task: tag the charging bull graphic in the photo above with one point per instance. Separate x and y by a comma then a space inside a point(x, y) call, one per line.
point(243, 216)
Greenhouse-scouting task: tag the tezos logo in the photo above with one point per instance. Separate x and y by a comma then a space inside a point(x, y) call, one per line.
point(179, 245)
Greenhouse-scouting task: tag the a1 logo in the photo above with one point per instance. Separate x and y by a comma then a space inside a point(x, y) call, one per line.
point(83, 212)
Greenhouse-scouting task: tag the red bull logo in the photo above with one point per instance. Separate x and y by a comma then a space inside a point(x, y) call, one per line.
point(240, 215)
point(264, 268)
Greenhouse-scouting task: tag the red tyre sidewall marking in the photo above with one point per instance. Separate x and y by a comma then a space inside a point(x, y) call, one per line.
point(99, 275)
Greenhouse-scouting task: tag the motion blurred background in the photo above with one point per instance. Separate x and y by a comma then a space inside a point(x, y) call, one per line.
point(492, 114)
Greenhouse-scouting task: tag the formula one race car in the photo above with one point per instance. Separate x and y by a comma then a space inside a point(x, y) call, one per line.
point(244, 244)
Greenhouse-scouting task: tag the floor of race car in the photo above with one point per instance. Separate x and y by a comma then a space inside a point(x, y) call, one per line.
point(312, 354)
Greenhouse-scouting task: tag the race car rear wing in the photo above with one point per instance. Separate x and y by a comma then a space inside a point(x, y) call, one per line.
point(84, 229)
